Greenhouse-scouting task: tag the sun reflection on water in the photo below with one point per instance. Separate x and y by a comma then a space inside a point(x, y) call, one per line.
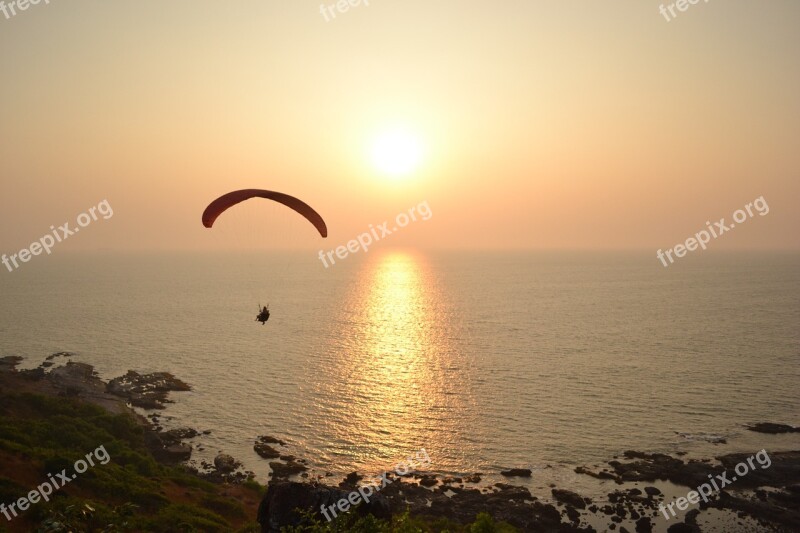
point(395, 383)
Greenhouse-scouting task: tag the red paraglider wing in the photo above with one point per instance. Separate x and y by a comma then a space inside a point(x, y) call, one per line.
point(221, 204)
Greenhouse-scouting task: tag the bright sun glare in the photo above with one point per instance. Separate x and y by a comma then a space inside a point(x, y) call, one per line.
point(397, 153)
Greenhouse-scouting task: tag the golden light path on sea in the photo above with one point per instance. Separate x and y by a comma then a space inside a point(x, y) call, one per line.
point(392, 368)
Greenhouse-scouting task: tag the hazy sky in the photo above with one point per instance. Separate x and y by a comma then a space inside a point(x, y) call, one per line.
point(542, 124)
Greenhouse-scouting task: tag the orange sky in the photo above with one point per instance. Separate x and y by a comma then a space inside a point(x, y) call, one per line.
point(595, 125)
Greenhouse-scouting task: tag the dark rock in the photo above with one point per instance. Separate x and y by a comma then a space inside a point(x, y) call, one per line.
point(772, 428)
point(35, 374)
point(148, 391)
point(569, 498)
point(59, 354)
point(176, 453)
point(265, 450)
point(352, 479)
point(652, 467)
point(680, 527)
point(691, 519)
point(174, 436)
point(428, 480)
point(284, 501)
point(285, 470)
point(226, 464)
point(787, 517)
point(597, 475)
point(784, 469)
point(512, 492)
point(652, 491)
point(266, 439)
point(644, 525)
point(517, 472)
point(573, 514)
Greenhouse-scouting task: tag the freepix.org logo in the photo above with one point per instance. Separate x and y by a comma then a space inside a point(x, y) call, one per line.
point(366, 239)
point(53, 484)
point(62, 233)
point(363, 494)
point(11, 9)
point(703, 237)
point(716, 483)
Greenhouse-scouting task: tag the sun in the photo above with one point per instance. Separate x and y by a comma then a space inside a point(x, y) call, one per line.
point(397, 153)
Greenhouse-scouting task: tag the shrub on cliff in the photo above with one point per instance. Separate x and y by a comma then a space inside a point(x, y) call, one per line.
point(353, 523)
point(42, 435)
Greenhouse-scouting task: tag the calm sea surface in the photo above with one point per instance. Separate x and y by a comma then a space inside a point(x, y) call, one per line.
point(488, 361)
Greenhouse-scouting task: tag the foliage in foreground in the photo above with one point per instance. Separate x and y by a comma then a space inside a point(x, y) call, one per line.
point(353, 523)
point(132, 492)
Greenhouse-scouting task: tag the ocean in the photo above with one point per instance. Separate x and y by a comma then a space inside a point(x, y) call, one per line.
point(487, 360)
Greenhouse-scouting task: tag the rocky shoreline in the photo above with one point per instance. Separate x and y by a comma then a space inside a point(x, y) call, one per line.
point(767, 499)
point(80, 381)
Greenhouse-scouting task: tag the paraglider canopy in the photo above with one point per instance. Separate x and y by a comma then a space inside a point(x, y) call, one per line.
point(226, 201)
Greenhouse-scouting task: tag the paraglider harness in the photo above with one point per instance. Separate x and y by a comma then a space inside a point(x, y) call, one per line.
point(263, 314)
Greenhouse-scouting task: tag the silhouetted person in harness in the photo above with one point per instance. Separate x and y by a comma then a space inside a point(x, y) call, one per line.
point(263, 315)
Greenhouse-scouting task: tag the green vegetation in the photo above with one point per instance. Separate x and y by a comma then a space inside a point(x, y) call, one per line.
point(353, 523)
point(42, 435)
point(132, 492)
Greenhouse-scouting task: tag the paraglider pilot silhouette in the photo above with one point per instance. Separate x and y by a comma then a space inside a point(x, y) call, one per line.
point(263, 314)
point(226, 201)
